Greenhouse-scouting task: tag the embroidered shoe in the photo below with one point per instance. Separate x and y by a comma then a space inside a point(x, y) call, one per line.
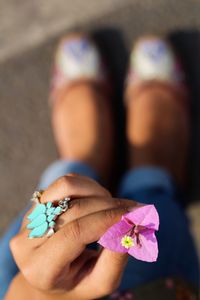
point(77, 58)
point(153, 59)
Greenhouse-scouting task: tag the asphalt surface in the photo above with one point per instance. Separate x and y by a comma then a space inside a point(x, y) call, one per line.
point(26, 142)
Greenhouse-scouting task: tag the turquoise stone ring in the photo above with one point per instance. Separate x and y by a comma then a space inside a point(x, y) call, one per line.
point(42, 218)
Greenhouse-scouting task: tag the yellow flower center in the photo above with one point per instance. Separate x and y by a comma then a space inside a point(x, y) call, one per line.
point(127, 241)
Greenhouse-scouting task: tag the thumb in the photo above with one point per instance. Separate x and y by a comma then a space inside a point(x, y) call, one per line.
point(109, 269)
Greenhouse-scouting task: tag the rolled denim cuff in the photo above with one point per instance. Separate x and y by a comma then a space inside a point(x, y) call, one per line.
point(145, 178)
point(62, 167)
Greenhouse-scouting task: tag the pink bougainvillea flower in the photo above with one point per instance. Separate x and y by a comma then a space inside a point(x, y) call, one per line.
point(134, 234)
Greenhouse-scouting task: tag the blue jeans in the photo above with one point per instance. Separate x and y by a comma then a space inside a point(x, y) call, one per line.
point(177, 254)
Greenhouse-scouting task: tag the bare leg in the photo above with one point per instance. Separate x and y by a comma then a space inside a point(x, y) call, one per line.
point(158, 128)
point(82, 126)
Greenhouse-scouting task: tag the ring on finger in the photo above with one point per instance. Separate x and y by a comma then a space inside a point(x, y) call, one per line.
point(42, 218)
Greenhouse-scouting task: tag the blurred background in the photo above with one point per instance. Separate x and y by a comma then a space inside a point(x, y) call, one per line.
point(29, 32)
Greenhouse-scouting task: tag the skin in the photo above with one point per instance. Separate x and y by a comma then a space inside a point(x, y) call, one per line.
point(76, 273)
point(60, 267)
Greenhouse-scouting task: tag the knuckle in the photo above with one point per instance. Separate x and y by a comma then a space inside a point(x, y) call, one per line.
point(75, 230)
point(119, 202)
point(101, 190)
point(29, 274)
point(72, 174)
point(14, 244)
point(45, 282)
point(110, 216)
point(76, 207)
point(113, 215)
point(63, 180)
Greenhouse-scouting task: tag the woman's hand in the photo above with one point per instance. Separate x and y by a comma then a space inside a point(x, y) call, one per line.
point(62, 264)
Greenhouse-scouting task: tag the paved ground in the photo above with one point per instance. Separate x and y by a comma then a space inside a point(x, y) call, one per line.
point(27, 40)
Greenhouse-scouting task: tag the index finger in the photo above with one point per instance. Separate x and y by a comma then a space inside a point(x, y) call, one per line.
point(71, 239)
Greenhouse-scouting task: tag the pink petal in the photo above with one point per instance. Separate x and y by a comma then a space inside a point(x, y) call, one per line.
point(145, 216)
point(148, 251)
point(112, 237)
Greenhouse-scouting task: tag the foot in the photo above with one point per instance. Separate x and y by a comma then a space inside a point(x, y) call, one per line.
point(81, 112)
point(157, 111)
